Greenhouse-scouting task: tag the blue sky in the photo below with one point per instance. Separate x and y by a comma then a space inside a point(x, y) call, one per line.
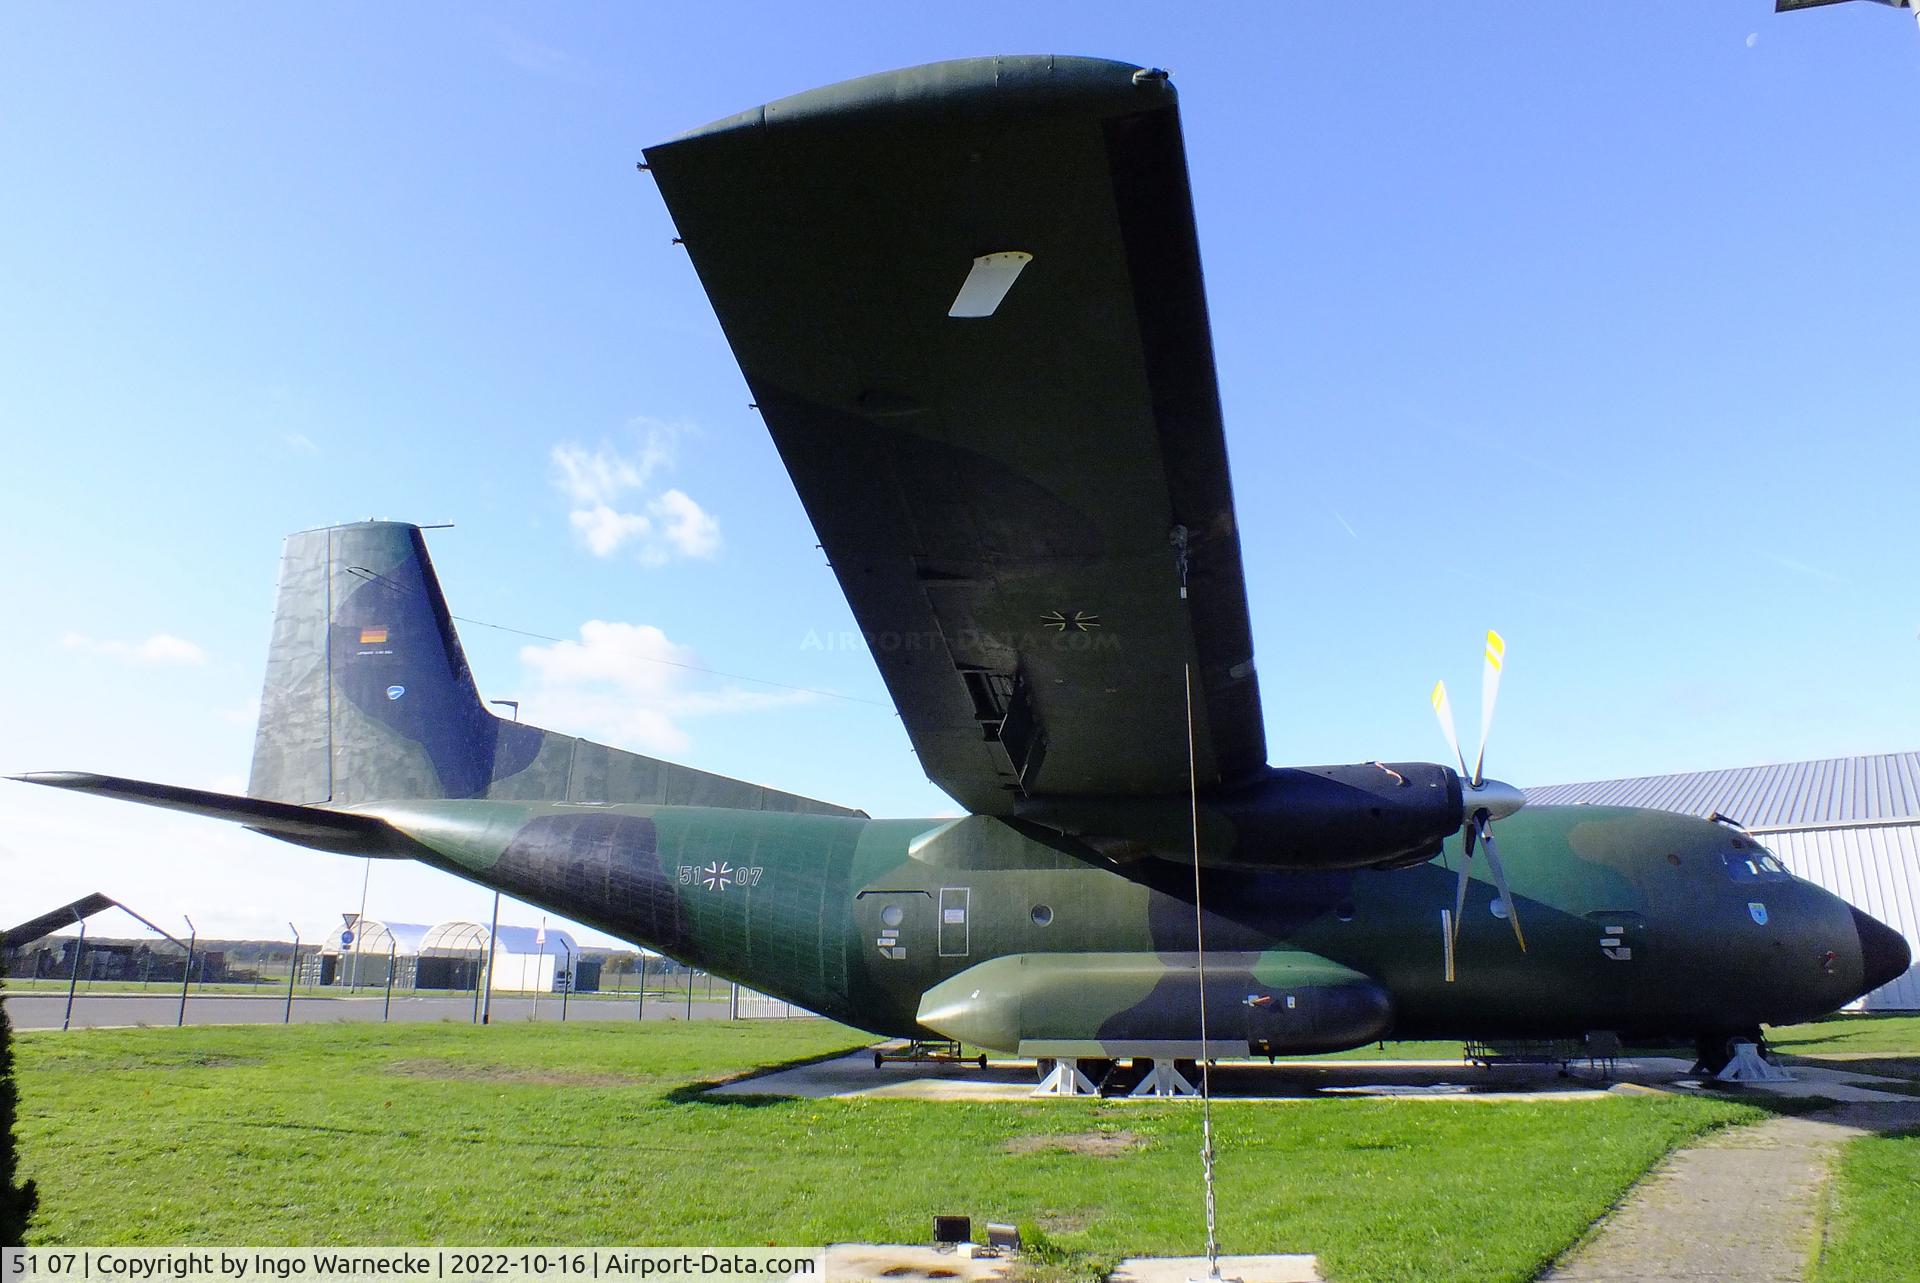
point(1591, 323)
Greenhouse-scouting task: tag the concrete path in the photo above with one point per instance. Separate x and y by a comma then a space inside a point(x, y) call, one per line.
point(1738, 1207)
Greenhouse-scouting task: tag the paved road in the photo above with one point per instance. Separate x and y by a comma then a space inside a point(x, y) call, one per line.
point(94, 1011)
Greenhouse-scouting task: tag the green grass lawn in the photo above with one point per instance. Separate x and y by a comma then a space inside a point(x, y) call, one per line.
point(596, 1134)
point(1872, 1044)
point(1873, 1213)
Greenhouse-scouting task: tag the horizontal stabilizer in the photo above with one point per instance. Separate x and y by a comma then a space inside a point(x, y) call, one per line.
point(312, 826)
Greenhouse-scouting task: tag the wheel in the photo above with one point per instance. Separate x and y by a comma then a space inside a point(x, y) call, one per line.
point(983, 1060)
point(877, 1060)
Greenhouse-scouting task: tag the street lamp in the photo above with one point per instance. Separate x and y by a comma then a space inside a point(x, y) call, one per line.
point(486, 1003)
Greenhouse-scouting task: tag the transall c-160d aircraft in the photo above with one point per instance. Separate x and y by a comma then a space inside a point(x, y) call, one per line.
point(967, 298)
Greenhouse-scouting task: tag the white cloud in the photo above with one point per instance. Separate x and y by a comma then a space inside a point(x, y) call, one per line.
point(690, 528)
point(300, 442)
point(629, 684)
point(607, 487)
point(605, 529)
point(161, 648)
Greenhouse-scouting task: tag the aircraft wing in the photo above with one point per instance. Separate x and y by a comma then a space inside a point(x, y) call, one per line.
point(1015, 465)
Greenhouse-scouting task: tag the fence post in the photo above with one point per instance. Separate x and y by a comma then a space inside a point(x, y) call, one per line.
point(293, 972)
point(73, 973)
point(386, 1008)
point(643, 986)
point(186, 971)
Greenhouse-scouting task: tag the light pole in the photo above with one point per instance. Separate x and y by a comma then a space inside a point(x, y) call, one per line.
point(360, 929)
point(493, 934)
point(186, 972)
point(486, 1002)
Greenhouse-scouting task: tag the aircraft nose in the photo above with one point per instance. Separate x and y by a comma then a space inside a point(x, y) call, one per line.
point(1884, 955)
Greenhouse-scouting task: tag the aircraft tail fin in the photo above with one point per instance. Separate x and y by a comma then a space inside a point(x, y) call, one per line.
point(368, 698)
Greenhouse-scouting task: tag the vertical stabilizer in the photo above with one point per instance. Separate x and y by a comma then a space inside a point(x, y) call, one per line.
point(368, 698)
point(367, 695)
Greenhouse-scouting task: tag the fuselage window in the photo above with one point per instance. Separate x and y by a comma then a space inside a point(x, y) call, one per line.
point(1042, 915)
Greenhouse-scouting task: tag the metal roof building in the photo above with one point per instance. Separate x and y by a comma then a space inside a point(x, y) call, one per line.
point(525, 959)
point(1850, 824)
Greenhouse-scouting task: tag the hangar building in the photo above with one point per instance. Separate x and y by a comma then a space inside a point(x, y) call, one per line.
point(1850, 824)
point(452, 954)
point(357, 953)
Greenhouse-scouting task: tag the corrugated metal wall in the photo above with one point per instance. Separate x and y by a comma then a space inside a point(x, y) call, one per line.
point(1874, 867)
point(1837, 790)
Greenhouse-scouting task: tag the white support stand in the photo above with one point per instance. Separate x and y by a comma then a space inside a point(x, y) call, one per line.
point(1165, 1081)
point(1066, 1080)
point(1747, 1066)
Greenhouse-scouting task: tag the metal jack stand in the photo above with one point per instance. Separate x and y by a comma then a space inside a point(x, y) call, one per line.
point(1164, 1080)
point(1066, 1080)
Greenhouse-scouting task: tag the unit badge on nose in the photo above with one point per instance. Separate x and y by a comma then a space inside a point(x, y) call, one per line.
point(1758, 912)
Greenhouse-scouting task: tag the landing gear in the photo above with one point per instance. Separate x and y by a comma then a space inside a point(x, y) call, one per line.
point(1714, 1052)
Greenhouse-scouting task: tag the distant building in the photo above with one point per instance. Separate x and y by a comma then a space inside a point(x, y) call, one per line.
point(452, 955)
point(357, 953)
point(1850, 824)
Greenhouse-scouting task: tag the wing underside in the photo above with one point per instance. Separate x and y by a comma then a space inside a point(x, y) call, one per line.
point(967, 299)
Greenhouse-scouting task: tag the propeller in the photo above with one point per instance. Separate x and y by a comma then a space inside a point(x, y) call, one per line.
point(1483, 800)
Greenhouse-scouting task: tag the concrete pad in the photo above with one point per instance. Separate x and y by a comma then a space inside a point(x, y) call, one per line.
point(1297, 1081)
point(890, 1263)
point(1290, 1268)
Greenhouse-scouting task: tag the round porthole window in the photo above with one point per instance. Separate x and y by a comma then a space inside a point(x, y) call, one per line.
point(891, 915)
point(1042, 915)
point(1498, 908)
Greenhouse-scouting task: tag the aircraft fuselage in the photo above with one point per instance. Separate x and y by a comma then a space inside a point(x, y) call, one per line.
point(1640, 922)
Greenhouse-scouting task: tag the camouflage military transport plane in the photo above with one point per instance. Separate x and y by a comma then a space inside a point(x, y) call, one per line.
point(967, 298)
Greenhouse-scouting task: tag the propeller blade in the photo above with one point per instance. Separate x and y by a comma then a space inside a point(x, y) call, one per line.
point(1443, 709)
point(1460, 887)
point(1489, 693)
point(1500, 879)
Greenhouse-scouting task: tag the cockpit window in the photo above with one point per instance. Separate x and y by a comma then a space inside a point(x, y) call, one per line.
point(1756, 864)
